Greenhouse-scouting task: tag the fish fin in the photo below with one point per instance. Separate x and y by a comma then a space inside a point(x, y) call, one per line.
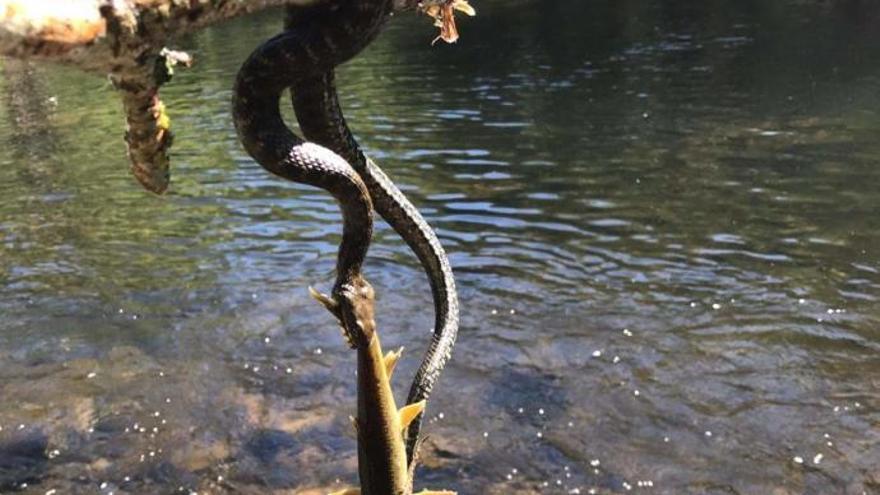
point(391, 360)
point(324, 299)
point(354, 424)
point(410, 412)
point(332, 305)
point(353, 491)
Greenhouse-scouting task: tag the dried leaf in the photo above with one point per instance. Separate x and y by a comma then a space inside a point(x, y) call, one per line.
point(444, 18)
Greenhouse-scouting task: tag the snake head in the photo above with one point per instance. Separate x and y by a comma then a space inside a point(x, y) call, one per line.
point(352, 305)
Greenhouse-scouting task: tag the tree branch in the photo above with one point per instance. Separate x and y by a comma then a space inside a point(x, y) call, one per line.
point(125, 39)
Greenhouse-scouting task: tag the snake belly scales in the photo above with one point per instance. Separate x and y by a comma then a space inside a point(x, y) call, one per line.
point(303, 58)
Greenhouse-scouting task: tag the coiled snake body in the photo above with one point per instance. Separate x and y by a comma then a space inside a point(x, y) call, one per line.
point(303, 58)
point(321, 121)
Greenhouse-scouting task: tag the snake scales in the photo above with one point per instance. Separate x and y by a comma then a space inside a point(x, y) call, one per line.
point(303, 58)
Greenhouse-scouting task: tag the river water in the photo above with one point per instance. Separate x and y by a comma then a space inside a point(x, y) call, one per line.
point(663, 216)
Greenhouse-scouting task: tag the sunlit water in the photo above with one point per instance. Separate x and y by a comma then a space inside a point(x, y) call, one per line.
point(664, 221)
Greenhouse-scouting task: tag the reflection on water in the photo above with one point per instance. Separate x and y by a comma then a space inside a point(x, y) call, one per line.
point(663, 217)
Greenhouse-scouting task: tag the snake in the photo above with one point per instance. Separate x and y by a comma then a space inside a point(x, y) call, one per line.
point(320, 118)
point(303, 58)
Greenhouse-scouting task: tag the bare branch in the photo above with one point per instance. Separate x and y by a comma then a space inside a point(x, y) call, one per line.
point(125, 39)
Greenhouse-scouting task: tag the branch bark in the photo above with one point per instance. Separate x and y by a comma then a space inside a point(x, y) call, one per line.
point(125, 39)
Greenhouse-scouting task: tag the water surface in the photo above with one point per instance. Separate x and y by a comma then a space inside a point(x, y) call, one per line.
point(663, 216)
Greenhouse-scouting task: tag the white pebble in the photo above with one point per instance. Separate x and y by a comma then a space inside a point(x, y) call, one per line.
point(627, 332)
point(798, 459)
point(597, 353)
point(817, 458)
point(708, 433)
point(716, 306)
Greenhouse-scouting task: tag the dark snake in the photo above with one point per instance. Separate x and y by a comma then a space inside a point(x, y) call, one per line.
point(304, 58)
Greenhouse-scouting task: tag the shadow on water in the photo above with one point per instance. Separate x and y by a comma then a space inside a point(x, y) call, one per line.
point(663, 218)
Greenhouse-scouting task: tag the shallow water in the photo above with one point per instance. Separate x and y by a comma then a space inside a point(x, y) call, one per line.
point(664, 219)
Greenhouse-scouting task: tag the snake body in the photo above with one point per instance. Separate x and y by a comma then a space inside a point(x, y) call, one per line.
point(303, 58)
point(280, 63)
point(320, 118)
